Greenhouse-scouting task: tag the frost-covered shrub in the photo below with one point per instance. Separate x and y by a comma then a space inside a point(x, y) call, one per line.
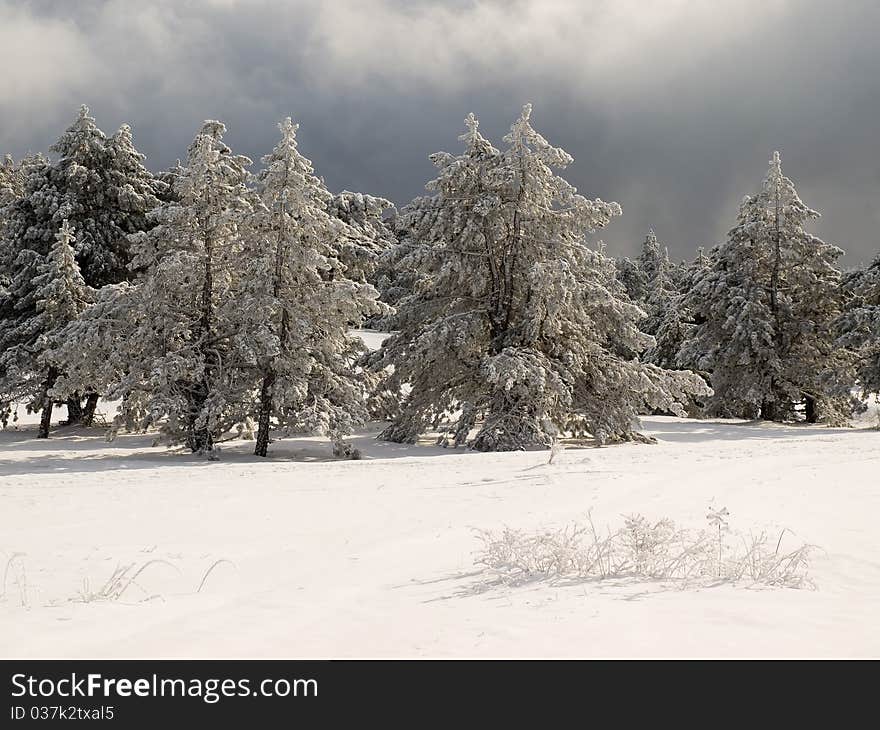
point(645, 550)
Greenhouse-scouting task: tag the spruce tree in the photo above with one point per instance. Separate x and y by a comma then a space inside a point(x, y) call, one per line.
point(859, 325)
point(304, 302)
point(172, 346)
point(516, 326)
point(106, 192)
point(680, 322)
point(198, 244)
point(62, 295)
point(654, 263)
point(11, 181)
point(24, 246)
point(366, 235)
point(653, 282)
point(394, 277)
point(659, 288)
point(631, 277)
point(640, 276)
point(767, 303)
point(102, 188)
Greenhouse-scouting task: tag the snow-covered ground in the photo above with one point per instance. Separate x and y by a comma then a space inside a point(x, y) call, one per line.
point(375, 557)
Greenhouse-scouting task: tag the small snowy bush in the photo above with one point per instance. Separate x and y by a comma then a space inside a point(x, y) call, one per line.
point(645, 550)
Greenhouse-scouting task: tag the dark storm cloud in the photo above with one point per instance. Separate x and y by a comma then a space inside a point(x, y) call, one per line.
point(671, 108)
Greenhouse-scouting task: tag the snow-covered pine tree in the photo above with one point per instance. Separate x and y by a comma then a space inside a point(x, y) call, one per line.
point(654, 261)
point(106, 192)
point(668, 319)
point(516, 326)
point(11, 188)
point(767, 304)
point(198, 245)
point(679, 322)
point(640, 276)
point(131, 193)
point(62, 295)
point(652, 281)
point(859, 325)
point(132, 190)
point(11, 181)
point(298, 287)
point(174, 346)
point(24, 246)
point(366, 235)
point(102, 188)
point(632, 278)
point(168, 178)
point(394, 278)
point(659, 289)
point(672, 323)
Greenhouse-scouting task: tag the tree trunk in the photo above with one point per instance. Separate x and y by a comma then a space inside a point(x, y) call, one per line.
point(768, 410)
point(46, 416)
point(511, 255)
point(204, 441)
point(74, 410)
point(262, 446)
point(509, 425)
point(201, 439)
point(465, 423)
point(771, 406)
point(198, 439)
point(88, 414)
point(265, 416)
point(810, 409)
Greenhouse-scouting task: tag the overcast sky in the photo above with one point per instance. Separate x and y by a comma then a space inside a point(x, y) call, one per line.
point(671, 108)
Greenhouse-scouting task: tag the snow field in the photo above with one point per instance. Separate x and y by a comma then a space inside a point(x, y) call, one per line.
point(375, 557)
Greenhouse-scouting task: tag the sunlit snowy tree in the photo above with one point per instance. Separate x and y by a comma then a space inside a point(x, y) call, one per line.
point(24, 247)
point(298, 287)
point(366, 235)
point(516, 327)
point(102, 188)
point(650, 269)
point(12, 178)
point(172, 346)
point(653, 282)
point(659, 288)
point(62, 295)
point(395, 278)
point(767, 303)
point(105, 191)
point(859, 325)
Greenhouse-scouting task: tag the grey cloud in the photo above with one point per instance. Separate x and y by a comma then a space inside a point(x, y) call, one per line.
point(671, 108)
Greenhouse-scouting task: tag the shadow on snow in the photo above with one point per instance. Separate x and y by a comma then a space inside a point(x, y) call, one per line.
point(78, 449)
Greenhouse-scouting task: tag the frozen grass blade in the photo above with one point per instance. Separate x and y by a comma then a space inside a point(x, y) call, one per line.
point(210, 570)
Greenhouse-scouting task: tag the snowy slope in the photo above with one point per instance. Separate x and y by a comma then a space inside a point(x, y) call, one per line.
point(375, 557)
